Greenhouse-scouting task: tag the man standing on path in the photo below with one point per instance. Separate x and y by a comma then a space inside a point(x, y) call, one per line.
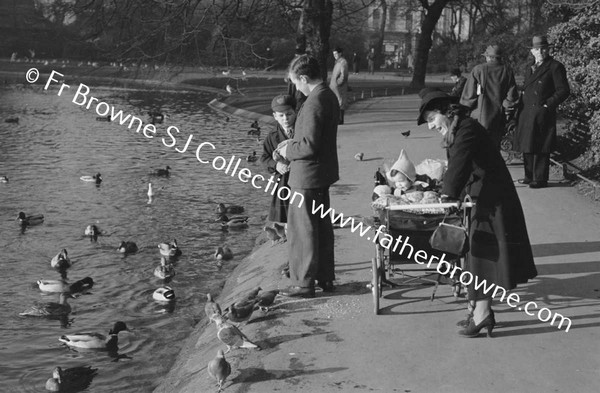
point(356, 63)
point(313, 169)
point(489, 86)
point(339, 80)
point(371, 61)
point(544, 88)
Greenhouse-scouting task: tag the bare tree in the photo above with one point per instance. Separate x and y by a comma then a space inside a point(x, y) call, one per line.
point(432, 13)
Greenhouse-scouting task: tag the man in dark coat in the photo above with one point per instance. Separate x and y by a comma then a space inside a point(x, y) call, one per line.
point(544, 88)
point(489, 86)
point(459, 82)
point(313, 169)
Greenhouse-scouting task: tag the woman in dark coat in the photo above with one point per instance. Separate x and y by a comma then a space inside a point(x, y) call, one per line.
point(500, 251)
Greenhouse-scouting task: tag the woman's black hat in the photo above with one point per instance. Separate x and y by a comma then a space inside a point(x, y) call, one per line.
point(429, 96)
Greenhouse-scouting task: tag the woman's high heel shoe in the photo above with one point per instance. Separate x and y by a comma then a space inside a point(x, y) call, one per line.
point(465, 322)
point(473, 330)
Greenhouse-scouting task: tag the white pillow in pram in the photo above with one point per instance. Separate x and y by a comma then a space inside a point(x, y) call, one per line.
point(435, 169)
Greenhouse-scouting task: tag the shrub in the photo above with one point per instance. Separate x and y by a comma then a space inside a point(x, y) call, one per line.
point(577, 45)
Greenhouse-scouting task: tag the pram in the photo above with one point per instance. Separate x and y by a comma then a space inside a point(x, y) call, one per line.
point(413, 224)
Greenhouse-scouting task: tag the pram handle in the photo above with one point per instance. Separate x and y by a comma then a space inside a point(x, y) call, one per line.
point(430, 206)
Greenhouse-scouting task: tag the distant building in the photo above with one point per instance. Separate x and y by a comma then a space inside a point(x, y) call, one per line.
point(402, 28)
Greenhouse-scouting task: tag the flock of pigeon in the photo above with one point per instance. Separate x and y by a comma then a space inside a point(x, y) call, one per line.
point(228, 333)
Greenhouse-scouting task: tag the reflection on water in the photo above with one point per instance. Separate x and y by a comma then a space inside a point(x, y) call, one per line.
point(44, 155)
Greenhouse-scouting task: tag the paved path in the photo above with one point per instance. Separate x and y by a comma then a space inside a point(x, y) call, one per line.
point(335, 343)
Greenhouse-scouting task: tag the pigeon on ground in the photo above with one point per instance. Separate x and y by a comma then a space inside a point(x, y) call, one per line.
point(265, 299)
point(406, 133)
point(241, 311)
point(231, 336)
point(272, 235)
point(281, 230)
point(219, 369)
point(359, 156)
point(211, 308)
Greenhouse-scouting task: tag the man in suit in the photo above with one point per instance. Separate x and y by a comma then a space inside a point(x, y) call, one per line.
point(489, 86)
point(544, 88)
point(313, 158)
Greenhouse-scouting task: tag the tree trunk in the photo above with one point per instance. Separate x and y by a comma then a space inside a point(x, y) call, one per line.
point(314, 30)
point(379, 49)
point(432, 15)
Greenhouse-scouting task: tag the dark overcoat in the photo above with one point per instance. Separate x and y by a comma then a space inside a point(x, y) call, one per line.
point(500, 250)
point(487, 87)
point(278, 211)
point(313, 150)
point(536, 125)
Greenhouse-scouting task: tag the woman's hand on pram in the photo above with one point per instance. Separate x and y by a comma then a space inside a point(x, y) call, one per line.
point(447, 199)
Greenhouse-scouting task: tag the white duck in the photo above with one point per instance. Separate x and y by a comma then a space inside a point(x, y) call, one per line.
point(97, 178)
point(164, 294)
point(95, 340)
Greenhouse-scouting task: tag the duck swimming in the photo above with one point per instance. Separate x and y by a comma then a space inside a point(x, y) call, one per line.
point(164, 294)
point(164, 270)
point(35, 219)
point(231, 209)
point(223, 253)
point(169, 249)
point(236, 222)
point(95, 340)
point(97, 178)
point(156, 117)
point(3, 179)
point(93, 232)
point(61, 260)
point(50, 309)
point(71, 379)
point(162, 172)
point(57, 286)
point(127, 248)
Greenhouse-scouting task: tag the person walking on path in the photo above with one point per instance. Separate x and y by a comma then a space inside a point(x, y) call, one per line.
point(459, 82)
point(500, 251)
point(284, 113)
point(409, 62)
point(314, 168)
point(371, 61)
point(544, 88)
point(489, 86)
point(339, 81)
point(356, 63)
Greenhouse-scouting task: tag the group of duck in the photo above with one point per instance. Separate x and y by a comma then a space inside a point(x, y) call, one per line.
point(240, 311)
point(80, 377)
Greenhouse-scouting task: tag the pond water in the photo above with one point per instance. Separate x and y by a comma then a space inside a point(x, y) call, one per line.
point(54, 143)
